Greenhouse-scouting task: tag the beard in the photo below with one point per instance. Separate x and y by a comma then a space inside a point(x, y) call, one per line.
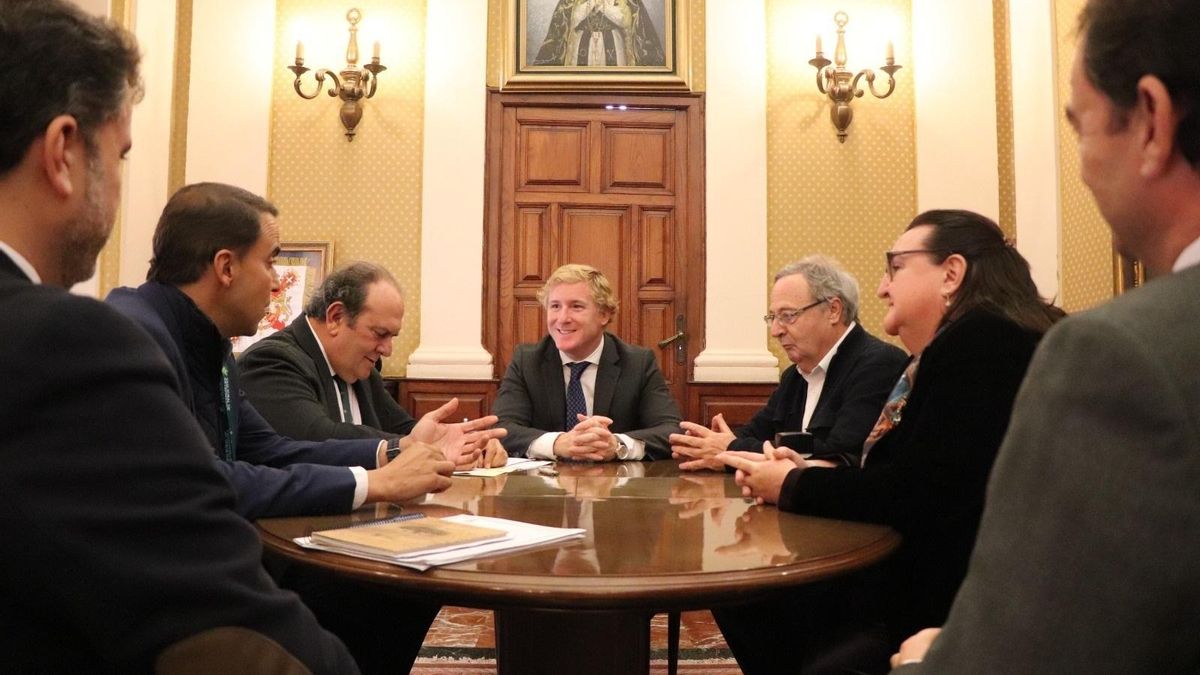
point(86, 234)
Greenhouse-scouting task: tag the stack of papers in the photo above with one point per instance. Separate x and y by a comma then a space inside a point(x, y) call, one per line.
point(514, 464)
point(517, 536)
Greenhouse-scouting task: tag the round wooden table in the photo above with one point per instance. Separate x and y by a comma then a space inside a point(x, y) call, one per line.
point(658, 540)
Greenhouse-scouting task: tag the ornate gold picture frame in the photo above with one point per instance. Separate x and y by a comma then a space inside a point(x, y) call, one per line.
point(596, 45)
point(1128, 273)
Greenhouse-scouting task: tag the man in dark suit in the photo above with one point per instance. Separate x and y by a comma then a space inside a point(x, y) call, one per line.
point(841, 379)
point(123, 553)
point(1086, 556)
point(210, 279)
point(317, 378)
point(581, 393)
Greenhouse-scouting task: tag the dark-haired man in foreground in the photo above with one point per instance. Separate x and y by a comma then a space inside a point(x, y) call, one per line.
point(1086, 560)
point(123, 553)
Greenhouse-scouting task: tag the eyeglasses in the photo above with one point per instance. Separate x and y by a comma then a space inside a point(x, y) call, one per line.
point(892, 255)
point(788, 317)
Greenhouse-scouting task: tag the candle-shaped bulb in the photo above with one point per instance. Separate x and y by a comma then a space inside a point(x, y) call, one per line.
point(299, 50)
point(819, 43)
point(890, 55)
point(375, 50)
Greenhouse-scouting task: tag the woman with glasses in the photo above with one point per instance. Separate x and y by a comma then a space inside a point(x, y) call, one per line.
point(963, 303)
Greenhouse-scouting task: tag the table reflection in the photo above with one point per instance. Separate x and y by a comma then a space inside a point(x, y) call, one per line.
point(641, 518)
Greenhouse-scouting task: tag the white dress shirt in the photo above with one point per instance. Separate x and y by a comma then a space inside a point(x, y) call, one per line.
point(1188, 257)
point(816, 379)
point(20, 262)
point(360, 474)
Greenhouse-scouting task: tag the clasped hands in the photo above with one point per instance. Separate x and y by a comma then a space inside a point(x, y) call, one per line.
point(590, 440)
point(761, 475)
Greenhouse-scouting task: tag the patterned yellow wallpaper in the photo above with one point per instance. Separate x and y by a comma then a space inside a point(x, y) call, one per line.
point(1004, 119)
point(1087, 268)
point(363, 195)
point(495, 48)
point(847, 200)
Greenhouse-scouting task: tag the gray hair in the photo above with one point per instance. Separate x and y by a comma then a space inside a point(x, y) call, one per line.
point(826, 279)
point(348, 284)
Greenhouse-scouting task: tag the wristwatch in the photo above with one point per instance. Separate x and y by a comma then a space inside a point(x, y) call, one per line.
point(393, 449)
point(622, 450)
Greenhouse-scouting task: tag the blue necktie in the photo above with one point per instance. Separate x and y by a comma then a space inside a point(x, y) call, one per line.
point(576, 403)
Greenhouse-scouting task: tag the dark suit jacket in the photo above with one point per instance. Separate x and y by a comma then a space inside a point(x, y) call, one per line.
point(1087, 553)
point(273, 475)
point(860, 377)
point(287, 379)
point(927, 476)
point(120, 539)
point(630, 389)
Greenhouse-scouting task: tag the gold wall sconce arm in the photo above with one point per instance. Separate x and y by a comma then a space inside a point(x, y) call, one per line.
point(841, 85)
point(351, 85)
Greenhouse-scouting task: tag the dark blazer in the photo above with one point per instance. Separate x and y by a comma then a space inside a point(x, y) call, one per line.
point(273, 475)
point(1087, 554)
point(286, 377)
point(120, 539)
point(860, 377)
point(927, 476)
point(630, 389)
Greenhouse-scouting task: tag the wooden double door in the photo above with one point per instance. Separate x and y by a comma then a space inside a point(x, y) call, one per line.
point(615, 182)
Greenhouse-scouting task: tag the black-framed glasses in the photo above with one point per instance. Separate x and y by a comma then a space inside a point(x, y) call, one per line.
point(788, 317)
point(892, 255)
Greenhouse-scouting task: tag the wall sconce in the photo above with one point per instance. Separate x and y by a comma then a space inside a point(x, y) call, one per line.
point(353, 85)
point(840, 85)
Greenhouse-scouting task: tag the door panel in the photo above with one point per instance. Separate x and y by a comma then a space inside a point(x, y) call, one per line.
point(569, 181)
point(553, 157)
point(639, 159)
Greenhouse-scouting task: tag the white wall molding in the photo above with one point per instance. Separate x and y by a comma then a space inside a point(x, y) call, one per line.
point(147, 167)
point(229, 98)
point(736, 194)
point(1035, 144)
point(452, 194)
point(954, 79)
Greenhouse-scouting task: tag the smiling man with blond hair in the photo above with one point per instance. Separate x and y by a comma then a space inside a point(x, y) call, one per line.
point(581, 393)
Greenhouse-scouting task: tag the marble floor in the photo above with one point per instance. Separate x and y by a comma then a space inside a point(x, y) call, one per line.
point(463, 632)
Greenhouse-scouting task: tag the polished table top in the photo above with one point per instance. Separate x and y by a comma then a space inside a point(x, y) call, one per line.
point(657, 539)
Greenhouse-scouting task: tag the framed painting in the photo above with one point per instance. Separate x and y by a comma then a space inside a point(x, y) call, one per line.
point(596, 44)
point(301, 267)
point(1128, 273)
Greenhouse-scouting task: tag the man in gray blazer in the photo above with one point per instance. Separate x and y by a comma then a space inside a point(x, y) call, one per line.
point(581, 393)
point(1086, 560)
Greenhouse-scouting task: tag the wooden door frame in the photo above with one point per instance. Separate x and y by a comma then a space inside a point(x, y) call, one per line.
point(693, 284)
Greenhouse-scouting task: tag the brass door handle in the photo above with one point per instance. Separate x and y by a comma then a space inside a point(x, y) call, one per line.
point(664, 343)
